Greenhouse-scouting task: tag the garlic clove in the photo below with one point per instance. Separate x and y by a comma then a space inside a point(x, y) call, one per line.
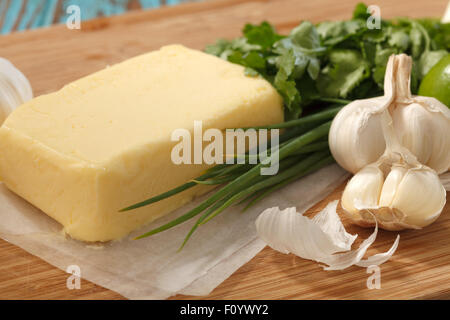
point(15, 89)
point(363, 190)
point(420, 196)
point(390, 186)
point(424, 128)
point(418, 140)
point(355, 136)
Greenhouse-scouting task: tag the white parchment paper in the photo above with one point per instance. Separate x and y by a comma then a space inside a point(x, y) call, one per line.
point(151, 268)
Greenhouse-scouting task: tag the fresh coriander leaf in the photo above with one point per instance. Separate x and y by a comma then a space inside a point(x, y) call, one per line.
point(286, 61)
point(366, 89)
point(346, 69)
point(438, 32)
point(360, 12)
point(236, 57)
point(303, 44)
point(263, 35)
point(254, 60)
point(251, 59)
point(400, 40)
point(334, 32)
point(368, 50)
point(376, 35)
point(286, 51)
point(288, 90)
point(313, 67)
point(305, 38)
point(441, 38)
point(416, 42)
point(242, 45)
point(216, 49)
point(307, 87)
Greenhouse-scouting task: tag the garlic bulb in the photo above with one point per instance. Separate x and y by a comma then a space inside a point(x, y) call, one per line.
point(421, 123)
point(15, 88)
point(397, 190)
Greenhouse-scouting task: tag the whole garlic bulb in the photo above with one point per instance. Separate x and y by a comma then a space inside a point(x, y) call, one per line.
point(15, 89)
point(421, 123)
point(397, 189)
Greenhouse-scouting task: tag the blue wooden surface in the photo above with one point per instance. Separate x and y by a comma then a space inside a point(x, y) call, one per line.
point(20, 15)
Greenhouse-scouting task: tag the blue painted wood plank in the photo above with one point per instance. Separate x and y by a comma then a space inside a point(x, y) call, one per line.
point(86, 8)
point(109, 8)
point(11, 16)
point(173, 2)
point(30, 12)
point(39, 13)
point(3, 4)
point(92, 9)
point(46, 15)
point(149, 3)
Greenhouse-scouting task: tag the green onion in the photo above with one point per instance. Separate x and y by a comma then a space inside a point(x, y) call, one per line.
point(294, 170)
point(303, 149)
point(315, 118)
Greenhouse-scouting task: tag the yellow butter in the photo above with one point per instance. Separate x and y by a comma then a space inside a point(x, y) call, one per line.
point(102, 143)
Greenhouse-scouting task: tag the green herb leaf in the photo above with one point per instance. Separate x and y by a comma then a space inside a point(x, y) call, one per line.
point(288, 90)
point(263, 35)
point(360, 12)
point(345, 71)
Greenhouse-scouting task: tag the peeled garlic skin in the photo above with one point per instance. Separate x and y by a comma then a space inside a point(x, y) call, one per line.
point(425, 131)
point(356, 137)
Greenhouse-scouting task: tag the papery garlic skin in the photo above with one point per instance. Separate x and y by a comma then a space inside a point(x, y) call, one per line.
point(15, 89)
point(322, 238)
point(421, 123)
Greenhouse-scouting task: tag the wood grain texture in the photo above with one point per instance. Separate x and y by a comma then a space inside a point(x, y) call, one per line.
point(20, 15)
point(55, 56)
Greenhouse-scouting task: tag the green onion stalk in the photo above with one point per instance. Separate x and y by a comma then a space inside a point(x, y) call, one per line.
point(303, 149)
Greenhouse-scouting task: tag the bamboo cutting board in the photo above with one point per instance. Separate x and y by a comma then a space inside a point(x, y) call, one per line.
point(55, 56)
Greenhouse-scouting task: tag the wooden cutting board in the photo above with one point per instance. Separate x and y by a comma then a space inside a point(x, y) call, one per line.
point(55, 56)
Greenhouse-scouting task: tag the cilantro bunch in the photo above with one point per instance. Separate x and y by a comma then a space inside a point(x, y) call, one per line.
point(334, 59)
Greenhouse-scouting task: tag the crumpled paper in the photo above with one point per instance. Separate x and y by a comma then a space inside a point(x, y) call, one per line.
point(152, 268)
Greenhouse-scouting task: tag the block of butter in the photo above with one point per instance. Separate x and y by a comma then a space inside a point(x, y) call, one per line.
point(103, 142)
